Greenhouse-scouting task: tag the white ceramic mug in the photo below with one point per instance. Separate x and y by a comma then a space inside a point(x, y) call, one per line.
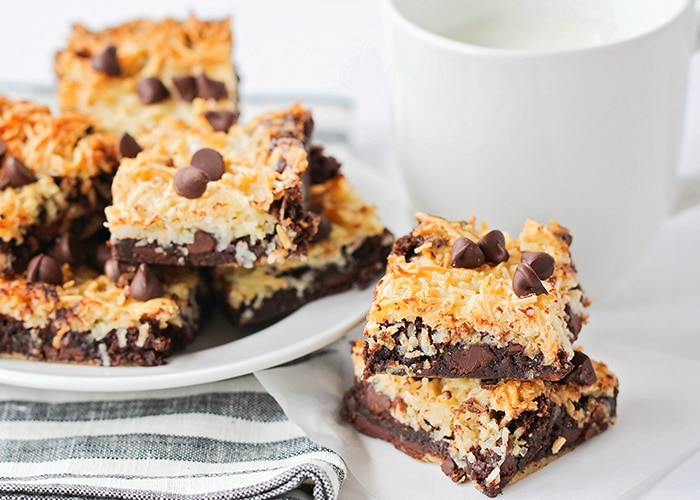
point(545, 109)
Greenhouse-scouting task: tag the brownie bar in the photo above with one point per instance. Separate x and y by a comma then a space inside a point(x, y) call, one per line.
point(55, 177)
point(349, 251)
point(492, 433)
point(458, 300)
point(191, 196)
point(63, 309)
point(131, 76)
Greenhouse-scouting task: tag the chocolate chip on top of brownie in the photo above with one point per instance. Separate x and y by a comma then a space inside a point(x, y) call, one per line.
point(461, 300)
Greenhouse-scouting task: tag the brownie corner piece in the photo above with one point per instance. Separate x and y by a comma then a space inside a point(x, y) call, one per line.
point(461, 300)
point(237, 198)
point(348, 251)
point(490, 433)
point(73, 312)
point(131, 76)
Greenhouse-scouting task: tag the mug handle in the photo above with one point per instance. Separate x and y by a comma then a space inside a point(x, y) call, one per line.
point(688, 189)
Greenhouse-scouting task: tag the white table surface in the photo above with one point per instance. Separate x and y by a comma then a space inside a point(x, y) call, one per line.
point(334, 48)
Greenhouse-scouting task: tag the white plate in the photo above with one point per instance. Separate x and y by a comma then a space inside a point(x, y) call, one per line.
point(221, 351)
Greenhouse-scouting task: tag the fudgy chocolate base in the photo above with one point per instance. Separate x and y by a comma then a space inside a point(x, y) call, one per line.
point(77, 347)
point(362, 268)
point(458, 360)
point(368, 411)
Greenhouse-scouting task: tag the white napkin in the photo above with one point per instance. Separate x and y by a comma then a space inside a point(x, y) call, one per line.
point(227, 439)
point(648, 334)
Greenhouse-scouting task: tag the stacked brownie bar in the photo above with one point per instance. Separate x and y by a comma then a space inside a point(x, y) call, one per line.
point(467, 356)
point(149, 148)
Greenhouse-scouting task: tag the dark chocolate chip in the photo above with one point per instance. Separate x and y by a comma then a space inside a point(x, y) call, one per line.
point(210, 161)
point(113, 269)
point(3, 150)
point(526, 281)
point(573, 321)
point(15, 173)
point(68, 250)
point(322, 167)
point(190, 182)
point(101, 255)
point(128, 147)
point(542, 263)
point(186, 87)
point(210, 89)
point(323, 231)
point(220, 120)
point(281, 165)
point(493, 245)
point(44, 268)
point(203, 243)
point(151, 90)
point(466, 254)
point(406, 246)
point(145, 285)
point(583, 372)
point(106, 62)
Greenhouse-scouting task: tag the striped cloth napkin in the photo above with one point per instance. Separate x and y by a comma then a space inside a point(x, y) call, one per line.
point(224, 440)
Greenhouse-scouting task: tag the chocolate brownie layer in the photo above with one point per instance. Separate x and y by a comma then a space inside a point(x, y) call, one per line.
point(460, 300)
point(491, 434)
point(196, 197)
point(349, 251)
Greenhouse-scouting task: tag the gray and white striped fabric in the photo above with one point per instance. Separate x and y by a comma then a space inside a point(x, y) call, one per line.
point(225, 440)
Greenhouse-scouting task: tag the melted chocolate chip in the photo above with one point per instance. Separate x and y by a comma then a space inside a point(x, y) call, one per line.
point(210, 89)
point(15, 174)
point(466, 254)
point(68, 250)
point(406, 246)
point(210, 161)
point(220, 120)
point(106, 62)
point(128, 147)
point(145, 285)
point(526, 281)
point(321, 167)
point(583, 372)
point(186, 87)
point(44, 268)
point(493, 245)
point(542, 263)
point(203, 243)
point(151, 90)
point(323, 231)
point(190, 182)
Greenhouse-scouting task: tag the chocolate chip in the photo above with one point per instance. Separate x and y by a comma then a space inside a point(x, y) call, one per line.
point(145, 285)
point(466, 254)
point(210, 89)
point(406, 246)
point(186, 87)
point(190, 182)
point(44, 268)
point(573, 321)
point(210, 161)
point(526, 281)
point(221, 120)
point(3, 150)
point(68, 250)
point(151, 90)
point(113, 269)
point(106, 62)
point(101, 255)
point(583, 372)
point(128, 147)
point(493, 245)
point(203, 243)
point(322, 167)
point(15, 174)
point(542, 263)
point(323, 231)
